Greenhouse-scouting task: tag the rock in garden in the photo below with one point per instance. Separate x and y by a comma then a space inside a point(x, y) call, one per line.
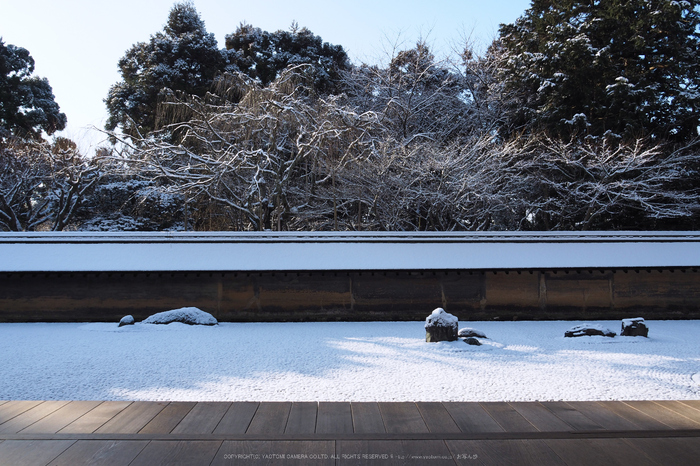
point(126, 320)
point(472, 341)
point(470, 332)
point(588, 330)
point(441, 326)
point(635, 327)
point(185, 315)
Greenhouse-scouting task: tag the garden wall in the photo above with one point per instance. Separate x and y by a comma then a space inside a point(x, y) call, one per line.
point(580, 294)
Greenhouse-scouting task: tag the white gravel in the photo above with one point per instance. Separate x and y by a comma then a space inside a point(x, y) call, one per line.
point(376, 361)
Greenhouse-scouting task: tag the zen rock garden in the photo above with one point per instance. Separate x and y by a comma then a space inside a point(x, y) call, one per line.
point(185, 315)
point(439, 325)
point(635, 327)
point(443, 326)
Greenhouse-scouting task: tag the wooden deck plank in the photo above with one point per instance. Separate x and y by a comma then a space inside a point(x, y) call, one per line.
point(268, 452)
point(30, 416)
point(664, 415)
point(506, 452)
point(237, 418)
point(13, 409)
point(178, 453)
point(169, 417)
point(571, 416)
point(402, 418)
point(61, 417)
point(673, 451)
point(692, 403)
point(32, 452)
point(437, 418)
point(472, 418)
point(133, 418)
point(681, 409)
point(100, 453)
point(293, 424)
point(598, 413)
point(202, 418)
point(302, 418)
point(635, 416)
point(608, 452)
point(540, 417)
point(95, 418)
point(334, 418)
point(270, 418)
point(393, 452)
point(508, 417)
point(366, 418)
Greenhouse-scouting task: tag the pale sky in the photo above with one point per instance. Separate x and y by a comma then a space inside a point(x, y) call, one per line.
point(76, 44)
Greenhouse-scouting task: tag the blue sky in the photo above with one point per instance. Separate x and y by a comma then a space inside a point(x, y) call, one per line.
point(77, 43)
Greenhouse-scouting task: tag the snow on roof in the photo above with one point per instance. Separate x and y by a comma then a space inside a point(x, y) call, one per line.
point(340, 251)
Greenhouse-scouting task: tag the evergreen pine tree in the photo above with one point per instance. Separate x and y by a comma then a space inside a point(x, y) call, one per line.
point(263, 55)
point(27, 105)
point(183, 57)
point(601, 67)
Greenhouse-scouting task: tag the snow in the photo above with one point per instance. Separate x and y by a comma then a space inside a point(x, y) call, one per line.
point(308, 251)
point(127, 320)
point(579, 330)
point(440, 318)
point(470, 332)
point(185, 315)
point(371, 361)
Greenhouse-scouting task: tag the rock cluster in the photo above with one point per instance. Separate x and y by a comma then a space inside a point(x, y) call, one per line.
point(185, 315)
point(442, 326)
point(635, 327)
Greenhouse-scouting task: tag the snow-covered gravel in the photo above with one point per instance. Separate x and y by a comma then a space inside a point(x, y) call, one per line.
point(377, 361)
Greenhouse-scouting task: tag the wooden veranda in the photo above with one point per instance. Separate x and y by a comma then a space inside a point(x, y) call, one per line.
point(39, 433)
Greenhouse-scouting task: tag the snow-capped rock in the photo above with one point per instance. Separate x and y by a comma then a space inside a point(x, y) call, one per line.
point(126, 320)
point(635, 327)
point(185, 315)
point(440, 318)
point(441, 326)
point(588, 330)
point(467, 332)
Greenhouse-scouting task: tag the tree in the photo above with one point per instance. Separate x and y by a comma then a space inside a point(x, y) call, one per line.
point(264, 55)
point(605, 67)
point(183, 57)
point(599, 185)
point(426, 186)
point(27, 105)
point(266, 160)
point(417, 96)
point(42, 185)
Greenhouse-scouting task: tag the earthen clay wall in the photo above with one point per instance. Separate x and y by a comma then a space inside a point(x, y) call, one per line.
point(324, 296)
